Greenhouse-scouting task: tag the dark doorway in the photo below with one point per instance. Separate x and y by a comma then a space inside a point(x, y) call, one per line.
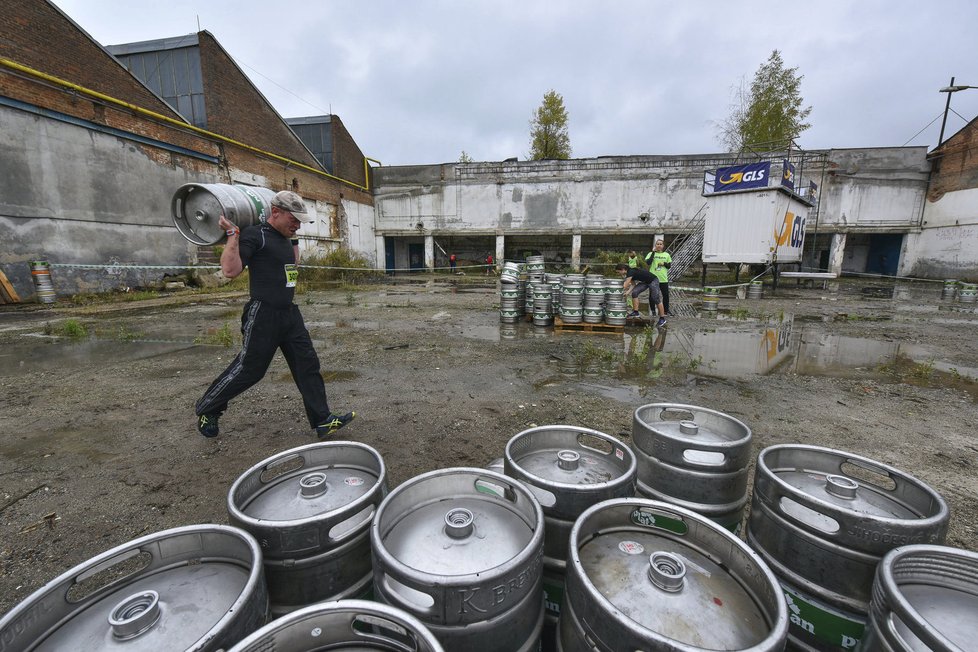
point(884, 253)
point(389, 259)
point(416, 255)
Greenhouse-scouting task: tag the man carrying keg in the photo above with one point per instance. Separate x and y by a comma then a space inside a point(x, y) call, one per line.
point(270, 320)
point(637, 281)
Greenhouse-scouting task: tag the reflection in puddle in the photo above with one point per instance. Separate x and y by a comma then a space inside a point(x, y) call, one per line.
point(785, 347)
point(56, 353)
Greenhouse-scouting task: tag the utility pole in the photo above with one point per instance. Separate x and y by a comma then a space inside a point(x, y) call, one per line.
point(947, 107)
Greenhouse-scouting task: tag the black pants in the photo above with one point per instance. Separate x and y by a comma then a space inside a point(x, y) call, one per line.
point(264, 330)
point(664, 289)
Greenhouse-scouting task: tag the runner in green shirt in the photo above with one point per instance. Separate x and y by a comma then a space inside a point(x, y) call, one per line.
point(659, 262)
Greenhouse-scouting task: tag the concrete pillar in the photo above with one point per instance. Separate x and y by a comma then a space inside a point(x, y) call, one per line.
point(429, 252)
point(576, 252)
point(500, 250)
point(837, 251)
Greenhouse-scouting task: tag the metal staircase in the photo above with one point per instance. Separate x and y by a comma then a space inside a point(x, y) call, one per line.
point(686, 250)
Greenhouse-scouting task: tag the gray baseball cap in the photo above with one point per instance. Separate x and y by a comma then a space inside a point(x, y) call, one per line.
point(291, 202)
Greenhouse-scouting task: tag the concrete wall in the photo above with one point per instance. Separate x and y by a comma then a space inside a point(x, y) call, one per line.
point(947, 246)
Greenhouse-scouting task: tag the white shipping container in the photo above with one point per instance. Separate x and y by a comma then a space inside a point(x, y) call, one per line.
point(766, 225)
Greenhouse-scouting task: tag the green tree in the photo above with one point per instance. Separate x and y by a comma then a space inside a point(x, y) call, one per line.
point(769, 114)
point(464, 158)
point(548, 129)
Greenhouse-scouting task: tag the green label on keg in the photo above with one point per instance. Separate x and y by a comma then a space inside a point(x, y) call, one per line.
point(553, 595)
point(257, 201)
point(813, 620)
point(649, 518)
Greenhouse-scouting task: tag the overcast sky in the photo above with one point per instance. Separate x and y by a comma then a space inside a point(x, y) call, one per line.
point(419, 81)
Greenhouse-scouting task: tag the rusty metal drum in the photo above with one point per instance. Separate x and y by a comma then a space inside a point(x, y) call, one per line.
point(693, 457)
point(461, 549)
point(924, 598)
point(197, 207)
point(646, 575)
point(823, 519)
point(568, 469)
point(310, 509)
point(342, 625)
point(198, 587)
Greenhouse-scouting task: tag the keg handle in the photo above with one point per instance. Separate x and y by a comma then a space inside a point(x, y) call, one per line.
point(385, 631)
point(409, 598)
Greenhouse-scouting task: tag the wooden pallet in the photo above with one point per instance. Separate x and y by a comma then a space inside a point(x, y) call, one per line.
point(7, 292)
point(584, 327)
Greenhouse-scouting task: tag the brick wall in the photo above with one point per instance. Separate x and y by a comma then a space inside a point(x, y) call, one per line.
point(955, 164)
point(347, 157)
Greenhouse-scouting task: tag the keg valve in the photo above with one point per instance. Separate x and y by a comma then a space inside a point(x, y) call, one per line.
point(667, 571)
point(841, 486)
point(135, 615)
point(458, 523)
point(568, 460)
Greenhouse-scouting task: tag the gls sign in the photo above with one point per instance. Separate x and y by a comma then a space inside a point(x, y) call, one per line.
point(741, 177)
point(792, 231)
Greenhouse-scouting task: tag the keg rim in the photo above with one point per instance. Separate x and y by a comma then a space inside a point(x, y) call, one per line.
point(778, 621)
point(309, 613)
point(60, 585)
point(339, 514)
point(379, 549)
point(628, 477)
point(940, 514)
point(716, 445)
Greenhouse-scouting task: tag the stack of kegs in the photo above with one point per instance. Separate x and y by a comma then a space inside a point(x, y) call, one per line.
point(512, 292)
point(41, 273)
point(822, 520)
point(968, 293)
point(535, 264)
point(693, 457)
point(572, 298)
point(615, 305)
point(568, 469)
point(460, 549)
point(555, 281)
point(950, 289)
point(711, 299)
point(755, 290)
point(594, 290)
point(542, 304)
point(310, 507)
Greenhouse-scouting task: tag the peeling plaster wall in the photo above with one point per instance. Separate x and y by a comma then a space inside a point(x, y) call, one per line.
point(947, 245)
point(72, 195)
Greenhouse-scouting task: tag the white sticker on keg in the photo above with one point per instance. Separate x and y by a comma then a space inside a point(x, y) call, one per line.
point(619, 453)
point(631, 547)
point(353, 481)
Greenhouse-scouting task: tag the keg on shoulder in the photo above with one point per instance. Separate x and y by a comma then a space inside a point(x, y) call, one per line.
point(461, 549)
point(342, 625)
point(924, 598)
point(198, 587)
point(646, 575)
point(568, 469)
point(822, 519)
point(197, 207)
point(310, 509)
point(693, 457)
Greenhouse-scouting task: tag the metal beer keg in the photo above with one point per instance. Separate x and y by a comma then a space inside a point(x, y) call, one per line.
point(310, 509)
point(693, 457)
point(198, 587)
point(925, 598)
point(342, 625)
point(822, 519)
point(461, 549)
point(197, 207)
point(646, 575)
point(568, 469)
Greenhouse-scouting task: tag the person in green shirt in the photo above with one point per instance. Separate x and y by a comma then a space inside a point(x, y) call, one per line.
point(633, 260)
point(659, 262)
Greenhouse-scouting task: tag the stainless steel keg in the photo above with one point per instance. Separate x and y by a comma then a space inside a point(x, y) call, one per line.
point(924, 598)
point(822, 519)
point(693, 457)
point(342, 625)
point(198, 587)
point(461, 549)
point(310, 509)
point(568, 469)
point(197, 207)
point(646, 575)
